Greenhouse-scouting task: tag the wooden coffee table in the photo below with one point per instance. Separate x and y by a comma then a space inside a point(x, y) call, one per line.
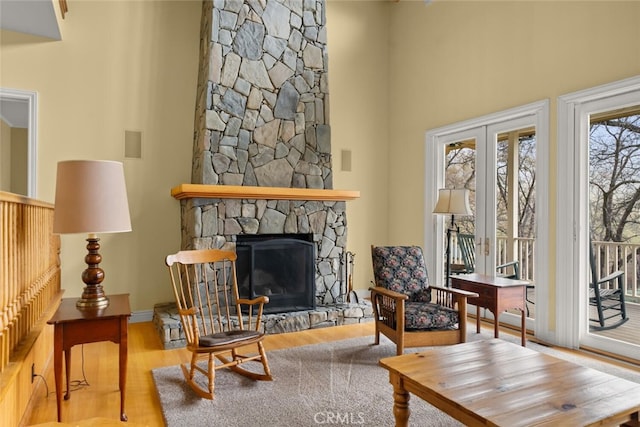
point(497, 383)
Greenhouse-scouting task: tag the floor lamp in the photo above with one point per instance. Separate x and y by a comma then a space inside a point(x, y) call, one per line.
point(452, 201)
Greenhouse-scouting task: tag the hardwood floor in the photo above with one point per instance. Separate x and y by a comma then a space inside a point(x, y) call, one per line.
point(101, 398)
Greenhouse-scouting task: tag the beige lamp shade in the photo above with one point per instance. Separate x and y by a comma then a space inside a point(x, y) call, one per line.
point(91, 197)
point(453, 201)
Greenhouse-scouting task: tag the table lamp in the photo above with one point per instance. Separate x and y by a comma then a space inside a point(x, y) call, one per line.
point(452, 201)
point(91, 197)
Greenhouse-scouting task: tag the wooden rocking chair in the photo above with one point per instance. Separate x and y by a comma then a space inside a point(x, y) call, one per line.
point(216, 321)
point(606, 295)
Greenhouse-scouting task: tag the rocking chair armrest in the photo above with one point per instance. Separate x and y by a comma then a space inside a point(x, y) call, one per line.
point(613, 276)
point(258, 300)
point(191, 311)
point(508, 264)
point(516, 269)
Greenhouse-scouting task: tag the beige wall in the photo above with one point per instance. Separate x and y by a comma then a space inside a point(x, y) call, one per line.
point(122, 65)
point(454, 61)
point(359, 89)
point(460, 60)
point(13, 158)
point(19, 160)
point(396, 70)
point(133, 66)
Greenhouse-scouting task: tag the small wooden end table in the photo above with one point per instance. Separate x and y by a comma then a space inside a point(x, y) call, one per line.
point(496, 294)
point(74, 326)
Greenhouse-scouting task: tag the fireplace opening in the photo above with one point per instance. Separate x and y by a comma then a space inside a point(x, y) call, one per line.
point(281, 267)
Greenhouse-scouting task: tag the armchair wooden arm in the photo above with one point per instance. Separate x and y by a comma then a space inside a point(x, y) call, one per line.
point(452, 291)
point(387, 292)
point(399, 296)
point(389, 307)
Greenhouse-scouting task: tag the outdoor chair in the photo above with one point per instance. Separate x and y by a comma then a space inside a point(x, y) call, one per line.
point(606, 295)
point(406, 309)
point(215, 320)
point(509, 270)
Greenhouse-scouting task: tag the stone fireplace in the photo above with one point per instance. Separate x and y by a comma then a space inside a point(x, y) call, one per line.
point(262, 120)
point(262, 160)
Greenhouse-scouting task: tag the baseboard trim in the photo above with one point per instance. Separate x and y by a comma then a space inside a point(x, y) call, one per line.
point(141, 316)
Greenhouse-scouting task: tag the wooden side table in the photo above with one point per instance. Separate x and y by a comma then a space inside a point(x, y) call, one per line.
point(496, 294)
point(74, 326)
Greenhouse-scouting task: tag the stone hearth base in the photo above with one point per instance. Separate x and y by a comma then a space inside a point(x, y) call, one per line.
point(167, 322)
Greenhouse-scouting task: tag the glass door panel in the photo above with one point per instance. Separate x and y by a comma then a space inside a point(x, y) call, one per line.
point(499, 172)
point(478, 154)
point(460, 172)
point(614, 215)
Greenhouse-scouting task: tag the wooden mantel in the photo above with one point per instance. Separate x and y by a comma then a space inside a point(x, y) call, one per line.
point(187, 191)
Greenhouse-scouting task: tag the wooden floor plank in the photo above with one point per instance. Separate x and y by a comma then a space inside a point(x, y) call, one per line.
point(100, 367)
point(101, 398)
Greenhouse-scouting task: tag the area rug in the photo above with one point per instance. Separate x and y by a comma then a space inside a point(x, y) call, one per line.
point(322, 384)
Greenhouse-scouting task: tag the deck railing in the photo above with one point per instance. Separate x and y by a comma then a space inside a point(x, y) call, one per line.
point(29, 268)
point(610, 257)
point(614, 256)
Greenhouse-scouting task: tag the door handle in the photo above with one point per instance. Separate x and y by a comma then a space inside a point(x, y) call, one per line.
point(487, 247)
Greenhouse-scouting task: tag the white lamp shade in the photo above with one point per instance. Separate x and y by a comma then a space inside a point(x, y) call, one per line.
point(453, 201)
point(91, 197)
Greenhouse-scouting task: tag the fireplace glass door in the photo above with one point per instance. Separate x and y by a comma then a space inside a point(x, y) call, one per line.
point(281, 268)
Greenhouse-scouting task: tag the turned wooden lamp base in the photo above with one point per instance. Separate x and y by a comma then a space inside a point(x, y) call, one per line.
point(93, 296)
point(90, 302)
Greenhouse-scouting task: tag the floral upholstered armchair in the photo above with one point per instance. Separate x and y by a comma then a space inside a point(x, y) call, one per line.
point(406, 309)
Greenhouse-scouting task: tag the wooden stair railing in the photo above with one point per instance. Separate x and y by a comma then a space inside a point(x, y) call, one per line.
point(29, 268)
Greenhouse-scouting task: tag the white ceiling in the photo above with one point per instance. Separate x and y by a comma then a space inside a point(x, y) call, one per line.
point(37, 17)
point(15, 112)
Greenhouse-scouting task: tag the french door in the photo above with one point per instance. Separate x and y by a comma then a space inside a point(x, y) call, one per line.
point(482, 142)
point(576, 113)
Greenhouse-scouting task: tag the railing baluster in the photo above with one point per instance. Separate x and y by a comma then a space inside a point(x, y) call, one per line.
point(29, 268)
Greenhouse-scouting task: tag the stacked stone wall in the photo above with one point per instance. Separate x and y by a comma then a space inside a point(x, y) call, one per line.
point(262, 119)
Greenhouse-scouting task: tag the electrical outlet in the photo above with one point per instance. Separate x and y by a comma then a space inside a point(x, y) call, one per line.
point(33, 372)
